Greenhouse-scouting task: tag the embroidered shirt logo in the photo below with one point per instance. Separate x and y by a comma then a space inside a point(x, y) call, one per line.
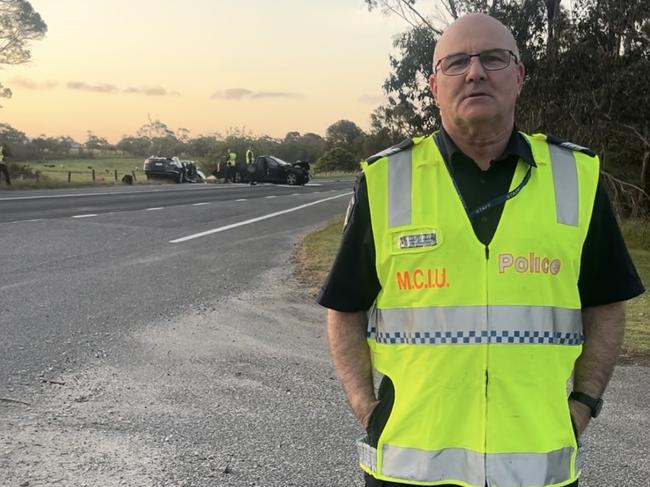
point(416, 241)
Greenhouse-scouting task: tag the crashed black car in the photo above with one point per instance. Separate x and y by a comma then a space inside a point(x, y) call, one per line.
point(174, 168)
point(271, 169)
point(163, 167)
point(268, 169)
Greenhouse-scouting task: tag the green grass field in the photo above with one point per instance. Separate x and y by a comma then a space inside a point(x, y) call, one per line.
point(317, 251)
point(55, 173)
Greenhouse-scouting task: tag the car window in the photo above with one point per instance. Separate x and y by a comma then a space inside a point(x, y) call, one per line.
point(271, 163)
point(280, 161)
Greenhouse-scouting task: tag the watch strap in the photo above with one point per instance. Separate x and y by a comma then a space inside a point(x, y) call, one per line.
point(594, 404)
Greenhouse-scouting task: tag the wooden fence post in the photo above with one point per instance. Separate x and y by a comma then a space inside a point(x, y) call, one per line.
point(93, 176)
point(116, 175)
point(134, 178)
point(69, 176)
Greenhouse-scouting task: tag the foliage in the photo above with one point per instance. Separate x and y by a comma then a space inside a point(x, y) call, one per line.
point(337, 159)
point(19, 24)
point(410, 108)
point(587, 75)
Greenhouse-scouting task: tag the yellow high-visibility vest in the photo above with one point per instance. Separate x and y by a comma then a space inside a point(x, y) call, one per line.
point(478, 341)
point(232, 159)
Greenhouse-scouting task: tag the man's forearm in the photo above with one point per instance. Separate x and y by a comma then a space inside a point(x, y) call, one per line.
point(604, 328)
point(351, 356)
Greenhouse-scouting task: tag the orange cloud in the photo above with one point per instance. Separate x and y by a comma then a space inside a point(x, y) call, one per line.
point(32, 85)
point(242, 93)
point(100, 88)
point(151, 91)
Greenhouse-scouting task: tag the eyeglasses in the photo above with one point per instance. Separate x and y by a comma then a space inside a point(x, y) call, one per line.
point(491, 60)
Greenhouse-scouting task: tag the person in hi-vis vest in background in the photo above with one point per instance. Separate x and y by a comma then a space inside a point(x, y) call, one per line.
point(481, 268)
point(231, 165)
point(3, 166)
point(250, 168)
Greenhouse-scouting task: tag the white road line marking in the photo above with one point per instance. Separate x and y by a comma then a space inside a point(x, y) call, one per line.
point(85, 216)
point(169, 189)
point(259, 218)
point(313, 184)
point(155, 208)
point(242, 199)
point(269, 197)
point(25, 221)
point(296, 194)
point(201, 204)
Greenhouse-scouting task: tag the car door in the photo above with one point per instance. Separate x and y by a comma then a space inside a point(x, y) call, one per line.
point(273, 171)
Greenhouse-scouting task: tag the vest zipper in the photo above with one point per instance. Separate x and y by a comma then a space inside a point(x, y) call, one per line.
point(487, 360)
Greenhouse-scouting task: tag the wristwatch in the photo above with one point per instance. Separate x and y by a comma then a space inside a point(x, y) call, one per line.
point(594, 404)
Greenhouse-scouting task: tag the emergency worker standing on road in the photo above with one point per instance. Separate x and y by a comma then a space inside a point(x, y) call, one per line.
point(3, 166)
point(231, 165)
point(479, 269)
point(250, 168)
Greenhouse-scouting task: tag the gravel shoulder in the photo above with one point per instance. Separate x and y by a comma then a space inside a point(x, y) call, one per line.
point(240, 393)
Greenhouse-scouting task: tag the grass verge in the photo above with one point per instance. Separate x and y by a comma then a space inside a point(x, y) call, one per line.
point(315, 254)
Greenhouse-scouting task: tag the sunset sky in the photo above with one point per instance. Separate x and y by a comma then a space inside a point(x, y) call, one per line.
point(269, 66)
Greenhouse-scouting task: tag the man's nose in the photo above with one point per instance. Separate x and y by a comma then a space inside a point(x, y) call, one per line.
point(476, 71)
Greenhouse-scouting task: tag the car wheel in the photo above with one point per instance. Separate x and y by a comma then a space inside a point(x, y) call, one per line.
point(292, 178)
point(238, 177)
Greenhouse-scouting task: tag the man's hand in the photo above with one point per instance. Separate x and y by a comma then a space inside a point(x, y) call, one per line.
point(364, 412)
point(581, 415)
point(603, 329)
point(351, 355)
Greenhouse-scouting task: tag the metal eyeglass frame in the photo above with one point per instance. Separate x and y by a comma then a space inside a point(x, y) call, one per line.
point(470, 56)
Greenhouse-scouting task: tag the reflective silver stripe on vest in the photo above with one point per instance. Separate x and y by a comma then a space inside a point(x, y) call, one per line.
point(367, 454)
point(399, 189)
point(474, 468)
point(519, 469)
point(431, 466)
point(565, 180)
point(443, 325)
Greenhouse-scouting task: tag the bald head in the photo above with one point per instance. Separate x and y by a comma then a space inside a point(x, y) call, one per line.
point(474, 33)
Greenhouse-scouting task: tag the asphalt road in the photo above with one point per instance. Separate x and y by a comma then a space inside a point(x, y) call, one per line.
point(156, 336)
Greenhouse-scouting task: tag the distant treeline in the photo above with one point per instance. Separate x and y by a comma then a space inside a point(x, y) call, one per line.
point(342, 148)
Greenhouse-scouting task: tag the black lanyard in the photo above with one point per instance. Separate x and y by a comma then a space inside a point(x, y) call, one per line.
point(498, 201)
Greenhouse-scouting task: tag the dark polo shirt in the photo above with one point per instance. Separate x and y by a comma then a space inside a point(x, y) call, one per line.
point(607, 273)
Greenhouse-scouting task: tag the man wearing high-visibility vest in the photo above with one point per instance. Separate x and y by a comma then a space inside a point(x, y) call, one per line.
point(231, 165)
point(480, 269)
point(3, 166)
point(250, 169)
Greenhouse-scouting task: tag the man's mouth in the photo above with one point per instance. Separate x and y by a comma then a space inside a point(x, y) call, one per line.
point(473, 95)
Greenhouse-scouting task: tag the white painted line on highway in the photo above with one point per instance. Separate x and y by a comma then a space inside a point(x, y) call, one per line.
point(155, 208)
point(296, 194)
point(258, 219)
point(88, 215)
point(269, 197)
point(313, 184)
point(32, 220)
point(201, 204)
point(242, 199)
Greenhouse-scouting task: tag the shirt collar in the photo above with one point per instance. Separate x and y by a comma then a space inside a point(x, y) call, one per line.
point(517, 145)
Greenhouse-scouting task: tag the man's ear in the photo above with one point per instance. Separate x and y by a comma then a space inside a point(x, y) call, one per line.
point(433, 85)
point(521, 76)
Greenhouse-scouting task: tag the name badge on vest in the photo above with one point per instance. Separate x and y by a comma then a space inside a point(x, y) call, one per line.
point(417, 240)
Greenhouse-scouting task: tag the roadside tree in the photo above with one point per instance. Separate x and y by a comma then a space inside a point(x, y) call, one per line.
point(19, 24)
